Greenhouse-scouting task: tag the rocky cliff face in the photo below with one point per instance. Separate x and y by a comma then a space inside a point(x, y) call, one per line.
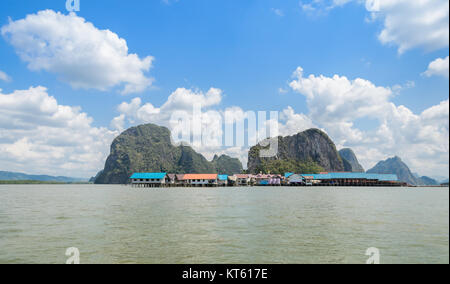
point(227, 165)
point(395, 166)
point(428, 181)
point(351, 163)
point(148, 148)
point(312, 146)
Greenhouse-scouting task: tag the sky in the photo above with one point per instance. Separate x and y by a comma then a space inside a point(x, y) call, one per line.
point(373, 74)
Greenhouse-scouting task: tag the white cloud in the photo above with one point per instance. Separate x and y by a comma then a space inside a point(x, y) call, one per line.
point(321, 6)
point(336, 103)
point(118, 123)
point(78, 52)
point(39, 134)
point(438, 67)
point(330, 97)
point(180, 100)
point(282, 91)
point(410, 24)
point(292, 123)
point(4, 76)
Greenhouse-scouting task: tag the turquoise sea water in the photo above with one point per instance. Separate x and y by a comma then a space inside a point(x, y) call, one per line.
point(119, 224)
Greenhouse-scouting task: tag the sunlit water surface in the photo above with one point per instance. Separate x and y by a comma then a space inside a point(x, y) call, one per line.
point(119, 224)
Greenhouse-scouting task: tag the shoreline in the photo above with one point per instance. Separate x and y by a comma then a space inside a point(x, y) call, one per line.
point(12, 182)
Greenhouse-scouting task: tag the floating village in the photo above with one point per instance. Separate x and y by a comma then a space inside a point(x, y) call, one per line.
point(288, 179)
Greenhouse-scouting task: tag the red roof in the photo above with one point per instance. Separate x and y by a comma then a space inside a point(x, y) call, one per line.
point(242, 176)
point(200, 176)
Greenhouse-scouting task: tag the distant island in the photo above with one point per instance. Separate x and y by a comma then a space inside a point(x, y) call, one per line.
point(29, 182)
point(148, 149)
point(396, 166)
point(22, 178)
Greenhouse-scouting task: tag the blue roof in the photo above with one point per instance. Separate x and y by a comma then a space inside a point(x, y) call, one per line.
point(148, 175)
point(286, 175)
point(223, 177)
point(380, 177)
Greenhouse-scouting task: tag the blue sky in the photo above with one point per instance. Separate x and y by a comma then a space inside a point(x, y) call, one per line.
point(249, 50)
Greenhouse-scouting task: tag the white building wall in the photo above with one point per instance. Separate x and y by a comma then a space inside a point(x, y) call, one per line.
point(202, 182)
point(148, 181)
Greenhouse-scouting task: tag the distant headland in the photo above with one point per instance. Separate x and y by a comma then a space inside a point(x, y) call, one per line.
point(147, 149)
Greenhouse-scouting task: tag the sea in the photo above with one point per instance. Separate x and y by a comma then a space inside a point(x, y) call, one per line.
point(245, 225)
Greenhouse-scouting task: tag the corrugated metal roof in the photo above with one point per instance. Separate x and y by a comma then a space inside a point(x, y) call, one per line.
point(294, 178)
point(223, 177)
point(381, 177)
point(148, 176)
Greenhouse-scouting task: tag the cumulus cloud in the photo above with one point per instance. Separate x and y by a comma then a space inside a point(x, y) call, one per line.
point(438, 67)
point(180, 100)
point(406, 24)
point(4, 76)
point(321, 6)
point(336, 103)
point(55, 139)
point(282, 91)
point(410, 24)
point(78, 52)
point(330, 97)
point(291, 123)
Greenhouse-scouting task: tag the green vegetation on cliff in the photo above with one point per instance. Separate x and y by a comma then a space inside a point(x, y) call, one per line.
point(310, 151)
point(288, 166)
point(227, 165)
